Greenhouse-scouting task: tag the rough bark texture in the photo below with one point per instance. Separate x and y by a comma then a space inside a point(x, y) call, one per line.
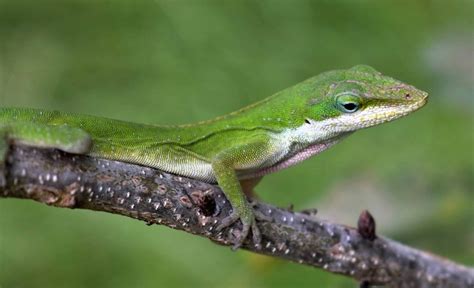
point(63, 180)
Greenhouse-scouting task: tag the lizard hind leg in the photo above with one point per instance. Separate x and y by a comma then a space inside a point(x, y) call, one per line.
point(63, 137)
point(248, 186)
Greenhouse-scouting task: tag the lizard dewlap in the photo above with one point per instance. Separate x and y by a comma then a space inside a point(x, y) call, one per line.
point(237, 149)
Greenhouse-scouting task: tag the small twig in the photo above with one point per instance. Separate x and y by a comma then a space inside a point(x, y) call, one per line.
point(59, 179)
point(366, 226)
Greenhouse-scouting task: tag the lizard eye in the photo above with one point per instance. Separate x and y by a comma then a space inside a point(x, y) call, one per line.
point(348, 102)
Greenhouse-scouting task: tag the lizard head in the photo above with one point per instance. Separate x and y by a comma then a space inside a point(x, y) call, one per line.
point(357, 98)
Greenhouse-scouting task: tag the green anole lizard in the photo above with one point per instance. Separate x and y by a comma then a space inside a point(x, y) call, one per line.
point(234, 150)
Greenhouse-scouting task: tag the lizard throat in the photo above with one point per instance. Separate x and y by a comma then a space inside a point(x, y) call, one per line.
point(295, 158)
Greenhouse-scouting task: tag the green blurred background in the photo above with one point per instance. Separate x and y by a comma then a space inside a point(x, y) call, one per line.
point(183, 61)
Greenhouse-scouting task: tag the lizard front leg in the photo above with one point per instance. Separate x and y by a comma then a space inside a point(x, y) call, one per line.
point(224, 166)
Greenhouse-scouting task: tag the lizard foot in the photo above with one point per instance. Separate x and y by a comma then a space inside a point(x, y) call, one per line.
point(248, 222)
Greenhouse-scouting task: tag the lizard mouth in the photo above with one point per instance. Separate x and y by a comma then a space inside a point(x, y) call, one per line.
point(378, 114)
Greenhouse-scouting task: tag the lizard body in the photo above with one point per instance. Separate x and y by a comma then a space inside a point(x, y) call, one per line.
point(270, 135)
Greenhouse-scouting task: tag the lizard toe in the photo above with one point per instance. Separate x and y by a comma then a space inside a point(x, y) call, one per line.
point(243, 235)
point(228, 221)
point(262, 217)
point(257, 236)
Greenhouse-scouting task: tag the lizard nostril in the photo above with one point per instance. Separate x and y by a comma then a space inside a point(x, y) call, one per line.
point(408, 96)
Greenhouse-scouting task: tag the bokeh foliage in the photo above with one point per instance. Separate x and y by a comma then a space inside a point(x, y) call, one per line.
point(183, 61)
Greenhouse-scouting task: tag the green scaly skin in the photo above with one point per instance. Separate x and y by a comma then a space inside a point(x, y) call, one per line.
point(265, 137)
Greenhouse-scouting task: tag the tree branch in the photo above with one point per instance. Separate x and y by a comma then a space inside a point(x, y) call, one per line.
point(64, 180)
